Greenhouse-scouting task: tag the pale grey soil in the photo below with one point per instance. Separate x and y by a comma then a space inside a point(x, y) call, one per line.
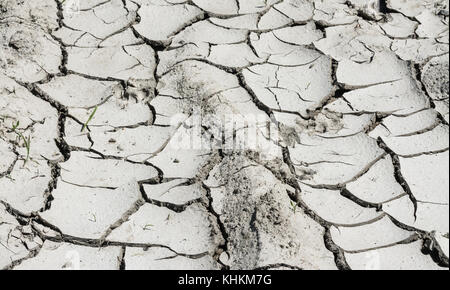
point(99, 104)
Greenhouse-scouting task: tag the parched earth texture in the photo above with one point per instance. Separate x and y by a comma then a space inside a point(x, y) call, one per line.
point(97, 98)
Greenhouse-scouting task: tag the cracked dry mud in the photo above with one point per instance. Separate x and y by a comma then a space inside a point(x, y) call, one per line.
point(357, 178)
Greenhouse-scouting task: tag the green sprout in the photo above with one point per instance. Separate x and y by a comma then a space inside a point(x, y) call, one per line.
point(294, 206)
point(26, 141)
point(89, 119)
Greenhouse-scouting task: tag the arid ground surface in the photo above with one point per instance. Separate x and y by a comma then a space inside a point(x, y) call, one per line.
point(127, 129)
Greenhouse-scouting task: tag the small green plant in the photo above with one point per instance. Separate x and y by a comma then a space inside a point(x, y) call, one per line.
point(89, 119)
point(26, 141)
point(294, 206)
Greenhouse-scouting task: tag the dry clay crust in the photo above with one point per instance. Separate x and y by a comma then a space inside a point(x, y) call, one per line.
point(99, 101)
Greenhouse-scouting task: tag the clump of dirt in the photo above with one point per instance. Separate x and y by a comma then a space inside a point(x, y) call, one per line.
point(436, 79)
point(8, 5)
point(324, 122)
point(276, 166)
point(22, 42)
point(141, 89)
point(194, 98)
point(289, 135)
point(255, 212)
point(441, 8)
point(305, 173)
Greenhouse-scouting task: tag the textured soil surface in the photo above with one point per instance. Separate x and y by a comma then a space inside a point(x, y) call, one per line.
point(119, 146)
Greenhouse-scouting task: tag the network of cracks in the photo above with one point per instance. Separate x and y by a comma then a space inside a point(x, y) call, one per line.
point(95, 174)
